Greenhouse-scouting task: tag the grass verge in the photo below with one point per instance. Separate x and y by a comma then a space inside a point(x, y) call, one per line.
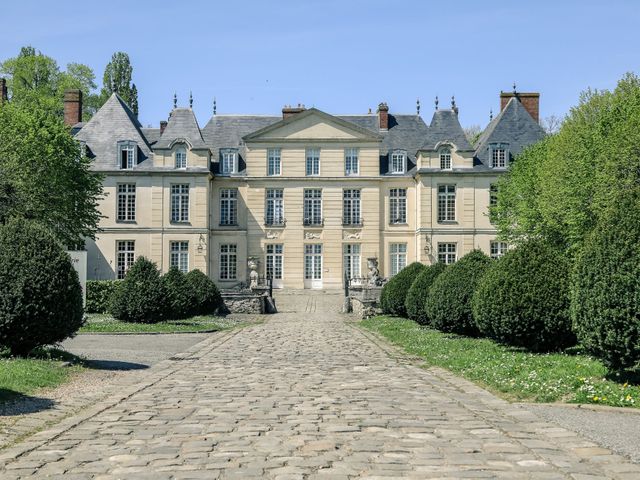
point(513, 374)
point(103, 323)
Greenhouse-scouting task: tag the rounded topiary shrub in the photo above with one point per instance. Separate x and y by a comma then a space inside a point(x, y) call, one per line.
point(606, 288)
point(394, 293)
point(448, 304)
point(141, 296)
point(180, 299)
point(99, 295)
point(40, 294)
point(523, 299)
point(207, 298)
point(417, 295)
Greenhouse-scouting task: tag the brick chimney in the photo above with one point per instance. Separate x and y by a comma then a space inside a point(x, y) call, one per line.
point(4, 96)
point(383, 116)
point(72, 107)
point(163, 125)
point(530, 101)
point(289, 111)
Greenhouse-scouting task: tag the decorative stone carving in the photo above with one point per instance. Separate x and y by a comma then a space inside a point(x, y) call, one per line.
point(253, 274)
point(351, 235)
point(271, 234)
point(311, 235)
point(373, 276)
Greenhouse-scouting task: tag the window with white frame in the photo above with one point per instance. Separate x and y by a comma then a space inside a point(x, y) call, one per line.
point(273, 162)
point(275, 254)
point(274, 208)
point(126, 211)
point(398, 162)
point(127, 154)
point(351, 260)
point(398, 257)
point(493, 195)
point(499, 157)
point(445, 159)
point(351, 207)
point(312, 206)
point(229, 162)
point(180, 202)
point(228, 261)
point(398, 205)
point(181, 157)
point(229, 206)
point(351, 163)
point(447, 253)
point(125, 256)
point(179, 255)
point(446, 203)
point(498, 249)
point(312, 161)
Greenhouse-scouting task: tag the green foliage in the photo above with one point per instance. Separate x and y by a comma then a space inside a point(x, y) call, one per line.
point(207, 298)
point(606, 287)
point(180, 298)
point(117, 79)
point(40, 294)
point(100, 294)
point(43, 175)
point(394, 293)
point(448, 304)
point(523, 299)
point(417, 295)
point(142, 297)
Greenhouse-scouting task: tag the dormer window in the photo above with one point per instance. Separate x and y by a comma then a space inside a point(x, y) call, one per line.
point(445, 159)
point(127, 154)
point(499, 156)
point(229, 162)
point(398, 162)
point(181, 157)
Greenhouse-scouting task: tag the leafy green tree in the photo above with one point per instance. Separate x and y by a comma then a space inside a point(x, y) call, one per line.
point(43, 174)
point(117, 79)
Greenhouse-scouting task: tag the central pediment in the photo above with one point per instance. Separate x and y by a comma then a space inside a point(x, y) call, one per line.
point(314, 125)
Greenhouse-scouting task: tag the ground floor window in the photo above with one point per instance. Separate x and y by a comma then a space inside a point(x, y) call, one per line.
point(179, 256)
point(351, 261)
point(313, 261)
point(447, 252)
point(125, 252)
point(498, 249)
point(228, 261)
point(398, 257)
point(275, 252)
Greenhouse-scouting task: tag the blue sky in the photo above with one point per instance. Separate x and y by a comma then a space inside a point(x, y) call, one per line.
point(342, 56)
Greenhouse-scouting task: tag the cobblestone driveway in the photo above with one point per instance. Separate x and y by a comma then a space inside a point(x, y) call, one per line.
point(306, 395)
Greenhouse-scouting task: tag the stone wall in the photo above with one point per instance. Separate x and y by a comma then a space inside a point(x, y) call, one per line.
point(251, 303)
point(365, 301)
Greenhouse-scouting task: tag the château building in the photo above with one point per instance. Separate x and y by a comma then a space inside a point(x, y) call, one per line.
point(309, 195)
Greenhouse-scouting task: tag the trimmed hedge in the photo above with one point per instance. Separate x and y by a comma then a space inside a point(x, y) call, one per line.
point(180, 299)
point(523, 299)
point(394, 293)
point(448, 304)
point(606, 287)
point(40, 294)
point(142, 296)
point(207, 298)
point(417, 295)
point(99, 295)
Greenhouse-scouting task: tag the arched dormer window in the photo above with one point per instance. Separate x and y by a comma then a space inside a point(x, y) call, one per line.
point(445, 158)
point(499, 155)
point(127, 154)
point(181, 157)
point(398, 161)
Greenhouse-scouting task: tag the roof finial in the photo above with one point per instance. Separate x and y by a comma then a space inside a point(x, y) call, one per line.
point(514, 88)
point(437, 101)
point(190, 99)
point(418, 106)
point(175, 100)
point(453, 102)
point(214, 105)
point(490, 114)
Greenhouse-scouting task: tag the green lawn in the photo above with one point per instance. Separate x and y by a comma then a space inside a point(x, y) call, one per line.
point(103, 323)
point(513, 374)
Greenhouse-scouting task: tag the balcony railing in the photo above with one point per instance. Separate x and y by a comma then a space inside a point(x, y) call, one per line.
point(352, 222)
point(275, 222)
point(313, 222)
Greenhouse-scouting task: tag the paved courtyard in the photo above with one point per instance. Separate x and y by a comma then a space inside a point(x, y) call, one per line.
point(305, 395)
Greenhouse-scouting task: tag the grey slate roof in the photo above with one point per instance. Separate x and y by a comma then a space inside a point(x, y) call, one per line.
point(445, 127)
point(513, 126)
point(226, 131)
point(182, 125)
point(152, 135)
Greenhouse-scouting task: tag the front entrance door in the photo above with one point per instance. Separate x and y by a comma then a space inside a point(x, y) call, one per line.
point(313, 265)
point(275, 253)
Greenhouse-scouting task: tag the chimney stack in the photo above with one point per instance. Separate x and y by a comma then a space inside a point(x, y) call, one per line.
point(4, 96)
point(289, 111)
point(530, 101)
point(72, 107)
point(163, 125)
point(383, 116)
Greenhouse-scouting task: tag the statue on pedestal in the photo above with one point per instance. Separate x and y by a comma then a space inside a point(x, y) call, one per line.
point(253, 273)
point(373, 276)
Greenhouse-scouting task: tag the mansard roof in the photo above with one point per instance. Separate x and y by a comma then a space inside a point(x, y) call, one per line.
point(445, 128)
point(182, 126)
point(226, 131)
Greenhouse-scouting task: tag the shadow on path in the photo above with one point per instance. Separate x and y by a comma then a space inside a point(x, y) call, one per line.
point(114, 365)
point(14, 403)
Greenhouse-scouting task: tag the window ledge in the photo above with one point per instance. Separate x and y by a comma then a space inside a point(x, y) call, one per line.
point(228, 225)
point(399, 223)
point(448, 222)
point(180, 222)
point(127, 222)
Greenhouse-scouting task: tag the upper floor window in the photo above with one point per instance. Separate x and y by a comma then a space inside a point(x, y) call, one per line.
point(180, 202)
point(126, 208)
point(312, 161)
point(446, 203)
point(398, 162)
point(351, 165)
point(351, 207)
point(229, 161)
point(499, 156)
point(445, 159)
point(274, 209)
point(312, 206)
point(398, 205)
point(229, 206)
point(273, 162)
point(181, 157)
point(493, 195)
point(127, 154)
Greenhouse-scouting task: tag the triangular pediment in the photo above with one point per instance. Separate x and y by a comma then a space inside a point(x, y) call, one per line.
point(313, 124)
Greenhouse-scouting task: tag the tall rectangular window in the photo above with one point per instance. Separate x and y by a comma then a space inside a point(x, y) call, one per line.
point(228, 261)
point(180, 202)
point(125, 256)
point(274, 209)
point(351, 260)
point(499, 158)
point(447, 253)
point(229, 162)
point(446, 203)
point(398, 257)
point(273, 161)
point(127, 155)
point(398, 205)
point(445, 159)
point(275, 253)
point(181, 157)
point(493, 195)
point(126, 202)
point(498, 249)
point(351, 207)
point(229, 206)
point(179, 256)
point(312, 161)
point(312, 206)
point(398, 162)
point(351, 164)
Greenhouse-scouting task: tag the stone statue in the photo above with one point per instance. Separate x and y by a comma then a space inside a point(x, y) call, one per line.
point(253, 274)
point(373, 277)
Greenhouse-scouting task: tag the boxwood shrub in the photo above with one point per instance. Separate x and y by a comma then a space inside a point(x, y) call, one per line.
point(180, 299)
point(99, 295)
point(394, 293)
point(448, 304)
point(207, 298)
point(40, 294)
point(417, 295)
point(606, 287)
point(523, 299)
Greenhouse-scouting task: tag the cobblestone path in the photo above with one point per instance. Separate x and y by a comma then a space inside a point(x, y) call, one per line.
point(303, 396)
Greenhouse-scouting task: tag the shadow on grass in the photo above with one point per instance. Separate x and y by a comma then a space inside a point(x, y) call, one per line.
point(14, 403)
point(632, 377)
